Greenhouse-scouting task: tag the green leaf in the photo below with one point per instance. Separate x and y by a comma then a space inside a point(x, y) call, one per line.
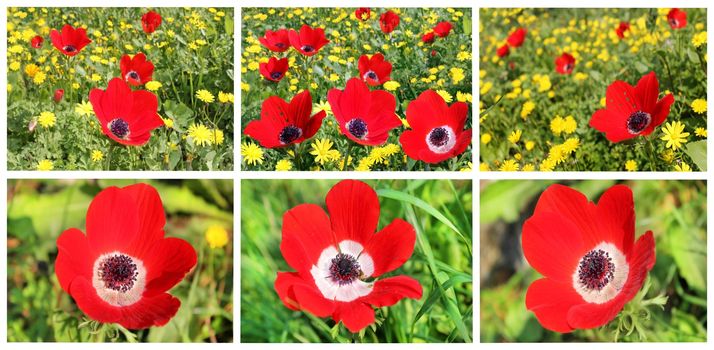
point(505, 199)
point(697, 150)
point(687, 253)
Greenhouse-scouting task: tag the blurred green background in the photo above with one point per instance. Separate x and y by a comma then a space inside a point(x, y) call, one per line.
point(38, 212)
point(440, 211)
point(675, 211)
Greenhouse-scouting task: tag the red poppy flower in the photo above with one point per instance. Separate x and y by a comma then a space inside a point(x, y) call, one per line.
point(59, 93)
point(363, 13)
point(126, 116)
point(388, 21)
point(565, 63)
point(442, 29)
point(338, 257)
point(37, 41)
point(150, 21)
point(517, 38)
point(277, 41)
point(437, 129)
point(428, 38)
point(136, 70)
point(364, 116)
point(69, 41)
point(121, 270)
point(274, 69)
point(282, 124)
point(632, 111)
point(309, 40)
point(677, 18)
point(503, 51)
point(588, 255)
point(374, 70)
point(621, 29)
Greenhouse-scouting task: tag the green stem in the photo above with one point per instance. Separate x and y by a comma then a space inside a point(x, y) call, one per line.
point(347, 155)
point(651, 153)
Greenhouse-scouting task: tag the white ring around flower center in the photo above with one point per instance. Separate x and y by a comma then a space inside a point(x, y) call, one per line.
point(331, 289)
point(613, 287)
point(115, 297)
point(450, 141)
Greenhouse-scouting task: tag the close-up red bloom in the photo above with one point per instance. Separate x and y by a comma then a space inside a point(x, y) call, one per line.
point(136, 70)
point(428, 38)
point(282, 124)
point(150, 21)
point(364, 116)
point(565, 63)
point(309, 40)
point(632, 111)
point(339, 258)
point(69, 41)
point(677, 18)
point(274, 69)
point(388, 21)
point(126, 116)
point(442, 29)
point(57, 97)
point(121, 270)
point(37, 41)
point(587, 253)
point(503, 51)
point(363, 13)
point(374, 70)
point(437, 129)
point(517, 38)
point(621, 29)
point(276, 41)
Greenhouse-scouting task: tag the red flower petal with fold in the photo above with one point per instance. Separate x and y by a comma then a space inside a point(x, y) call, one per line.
point(437, 129)
point(150, 21)
point(338, 257)
point(126, 116)
point(565, 63)
point(37, 41)
point(503, 51)
point(632, 111)
point(374, 70)
point(677, 18)
point(59, 93)
point(363, 13)
point(121, 270)
point(517, 38)
point(282, 124)
point(388, 21)
point(274, 69)
point(277, 41)
point(136, 70)
point(428, 38)
point(309, 40)
point(621, 29)
point(588, 256)
point(442, 29)
point(69, 41)
point(364, 116)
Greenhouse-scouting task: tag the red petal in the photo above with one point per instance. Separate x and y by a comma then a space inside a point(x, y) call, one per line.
point(333, 98)
point(313, 125)
point(311, 300)
point(616, 214)
point(300, 109)
point(391, 247)
point(89, 302)
point(354, 315)
point(56, 40)
point(95, 98)
point(553, 245)
point(660, 113)
point(151, 217)
point(389, 291)
point(647, 92)
point(622, 99)
point(550, 301)
point(413, 143)
point(283, 286)
point(74, 258)
point(306, 233)
point(117, 100)
point(167, 263)
point(264, 132)
point(143, 117)
point(112, 221)
point(356, 100)
point(354, 211)
point(150, 311)
point(428, 111)
point(573, 206)
point(614, 125)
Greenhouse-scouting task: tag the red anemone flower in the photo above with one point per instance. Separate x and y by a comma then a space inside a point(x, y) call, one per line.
point(632, 111)
point(282, 124)
point(363, 13)
point(150, 21)
point(677, 18)
point(503, 51)
point(309, 40)
point(121, 270)
point(276, 41)
point(274, 69)
point(136, 70)
point(565, 63)
point(57, 97)
point(364, 116)
point(69, 41)
point(621, 29)
point(126, 116)
point(437, 129)
point(588, 256)
point(37, 41)
point(374, 70)
point(442, 29)
point(517, 37)
point(388, 21)
point(428, 38)
point(338, 258)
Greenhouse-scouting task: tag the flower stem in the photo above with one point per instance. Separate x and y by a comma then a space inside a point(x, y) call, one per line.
point(651, 153)
point(347, 155)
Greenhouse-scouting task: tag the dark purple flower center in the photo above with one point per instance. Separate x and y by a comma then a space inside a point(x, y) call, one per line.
point(344, 269)
point(596, 270)
point(638, 121)
point(132, 75)
point(280, 45)
point(276, 75)
point(673, 22)
point(371, 75)
point(69, 48)
point(569, 67)
point(357, 127)
point(439, 137)
point(289, 134)
point(119, 127)
point(118, 272)
point(308, 48)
